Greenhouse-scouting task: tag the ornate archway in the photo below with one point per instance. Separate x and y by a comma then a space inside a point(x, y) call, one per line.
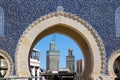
point(8, 61)
point(71, 25)
point(111, 61)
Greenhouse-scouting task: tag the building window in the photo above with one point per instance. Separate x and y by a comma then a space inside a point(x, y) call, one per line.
point(117, 21)
point(1, 22)
point(35, 54)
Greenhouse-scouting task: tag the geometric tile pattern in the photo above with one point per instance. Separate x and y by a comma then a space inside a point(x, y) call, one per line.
point(18, 14)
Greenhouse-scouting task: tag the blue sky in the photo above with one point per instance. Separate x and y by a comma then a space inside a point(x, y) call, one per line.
point(63, 43)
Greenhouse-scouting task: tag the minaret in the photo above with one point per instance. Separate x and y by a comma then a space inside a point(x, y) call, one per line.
point(53, 57)
point(70, 61)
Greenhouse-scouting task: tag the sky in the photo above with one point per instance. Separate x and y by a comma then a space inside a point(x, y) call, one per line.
point(63, 43)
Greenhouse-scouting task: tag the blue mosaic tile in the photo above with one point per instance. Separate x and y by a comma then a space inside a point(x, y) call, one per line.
point(1, 22)
point(18, 14)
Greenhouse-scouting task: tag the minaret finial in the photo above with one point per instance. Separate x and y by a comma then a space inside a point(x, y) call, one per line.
point(53, 38)
point(52, 44)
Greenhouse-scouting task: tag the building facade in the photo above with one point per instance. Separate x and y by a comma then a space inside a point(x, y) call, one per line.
point(70, 61)
point(35, 63)
point(79, 69)
point(92, 24)
point(52, 57)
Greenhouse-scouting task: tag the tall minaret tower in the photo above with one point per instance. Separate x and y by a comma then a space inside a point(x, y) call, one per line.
point(53, 57)
point(70, 61)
